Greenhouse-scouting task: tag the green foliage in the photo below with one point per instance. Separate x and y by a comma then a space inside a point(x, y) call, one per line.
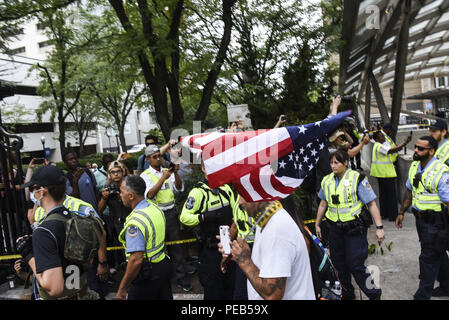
point(376, 248)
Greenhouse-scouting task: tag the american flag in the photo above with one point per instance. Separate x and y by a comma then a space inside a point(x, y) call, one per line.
point(263, 165)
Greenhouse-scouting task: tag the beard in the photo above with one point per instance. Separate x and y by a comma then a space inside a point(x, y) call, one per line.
point(417, 157)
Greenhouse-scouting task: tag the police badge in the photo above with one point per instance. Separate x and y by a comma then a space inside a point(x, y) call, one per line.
point(190, 202)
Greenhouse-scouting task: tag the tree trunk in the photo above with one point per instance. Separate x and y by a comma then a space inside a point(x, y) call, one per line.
point(212, 76)
point(81, 143)
point(61, 123)
point(121, 136)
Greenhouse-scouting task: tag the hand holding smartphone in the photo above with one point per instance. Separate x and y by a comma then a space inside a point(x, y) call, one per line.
point(225, 239)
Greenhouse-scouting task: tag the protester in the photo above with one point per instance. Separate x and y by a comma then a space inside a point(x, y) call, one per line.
point(427, 190)
point(278, 267)
point(344, 194)
point(81, 180)
point(117, 211)
point(351, 128)
point(143, 164)
point(44, 250)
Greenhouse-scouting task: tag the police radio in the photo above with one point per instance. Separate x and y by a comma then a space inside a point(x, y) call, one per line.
point(335, 199)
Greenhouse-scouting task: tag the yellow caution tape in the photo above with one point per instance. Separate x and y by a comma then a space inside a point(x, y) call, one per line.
point(169, 243)
point(10, 257)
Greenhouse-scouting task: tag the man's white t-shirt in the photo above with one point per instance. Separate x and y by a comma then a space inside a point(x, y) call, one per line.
point(280, 251)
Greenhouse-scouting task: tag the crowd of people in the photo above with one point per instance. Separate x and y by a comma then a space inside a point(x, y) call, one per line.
point(269, 256)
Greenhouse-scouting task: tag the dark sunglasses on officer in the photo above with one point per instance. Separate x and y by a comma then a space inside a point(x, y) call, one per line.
point(420, 148)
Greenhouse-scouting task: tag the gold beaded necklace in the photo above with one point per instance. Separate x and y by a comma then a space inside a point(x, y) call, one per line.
point(262, 218)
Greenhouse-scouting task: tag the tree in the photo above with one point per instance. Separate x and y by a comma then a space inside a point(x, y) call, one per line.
point(59, 72)
point(156, 26)
point(14, 12)
point(268, 38)
point(85, 115)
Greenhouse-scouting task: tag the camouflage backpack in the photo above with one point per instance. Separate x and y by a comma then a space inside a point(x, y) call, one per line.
point(83, 235)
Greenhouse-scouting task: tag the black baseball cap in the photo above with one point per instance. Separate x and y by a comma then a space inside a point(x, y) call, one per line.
point(439, 124)
point(45, 176)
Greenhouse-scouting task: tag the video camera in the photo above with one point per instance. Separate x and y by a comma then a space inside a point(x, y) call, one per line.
point(113, 189)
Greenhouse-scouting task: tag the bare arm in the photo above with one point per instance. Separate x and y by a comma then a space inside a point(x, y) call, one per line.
point(334, 105)
point(155, 189)
point(407, 201)
point(267, 288)
point(319, 217)
point(354, 151)
point(50, 280)
point(375, 213)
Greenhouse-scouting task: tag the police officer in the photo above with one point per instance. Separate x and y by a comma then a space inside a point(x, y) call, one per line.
point(161, 186)
point(242, 227)
point(382, 167)
point(147, 275)
point(344, 195)
point(427, 190)
point(99, 271)
point(211, 208)
point(438, 131)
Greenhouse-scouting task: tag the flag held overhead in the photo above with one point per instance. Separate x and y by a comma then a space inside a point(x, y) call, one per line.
point(263, 165)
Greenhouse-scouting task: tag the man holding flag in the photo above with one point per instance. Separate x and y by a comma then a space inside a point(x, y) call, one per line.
point(264, 166)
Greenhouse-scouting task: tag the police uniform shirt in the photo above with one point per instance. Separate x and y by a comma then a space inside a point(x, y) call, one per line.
point(439, 146)
point(171, 184)
point(135, 241)
point(364, 191)
point(443, 184)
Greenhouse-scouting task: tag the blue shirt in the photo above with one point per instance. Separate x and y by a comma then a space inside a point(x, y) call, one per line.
point(135, 241)
point(443, 184)
point(364, 191)
point(86, 187)
point(141, 160)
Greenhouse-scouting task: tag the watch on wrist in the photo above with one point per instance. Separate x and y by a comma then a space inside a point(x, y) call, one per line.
point(103, 263)
point(379, 227)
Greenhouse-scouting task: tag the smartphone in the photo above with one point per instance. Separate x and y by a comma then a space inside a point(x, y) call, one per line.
point(225, 239)
point(171, 167)
point(39, 160)
point(284, 118)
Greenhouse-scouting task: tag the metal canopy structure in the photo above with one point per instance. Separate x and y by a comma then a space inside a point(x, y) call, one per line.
point(388, 42)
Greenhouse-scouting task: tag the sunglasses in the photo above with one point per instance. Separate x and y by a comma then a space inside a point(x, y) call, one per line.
point(421, 148)
point(156, 157)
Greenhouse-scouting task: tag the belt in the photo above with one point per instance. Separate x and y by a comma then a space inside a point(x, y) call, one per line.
point(427, 215)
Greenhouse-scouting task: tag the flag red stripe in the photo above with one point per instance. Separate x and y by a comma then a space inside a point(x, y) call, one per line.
point(279, 186)
point(258, 160)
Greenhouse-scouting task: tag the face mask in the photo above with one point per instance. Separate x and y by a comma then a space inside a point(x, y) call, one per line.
point(35, 201)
